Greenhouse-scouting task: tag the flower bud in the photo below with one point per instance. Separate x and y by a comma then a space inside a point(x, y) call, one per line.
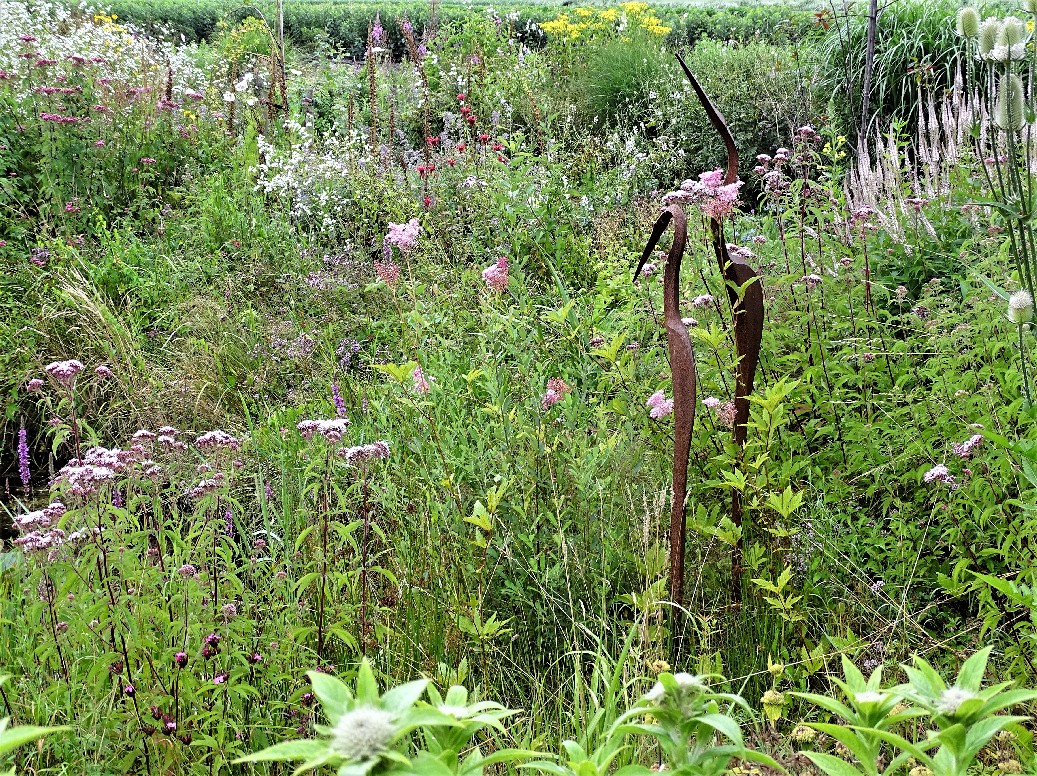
point(967, 25)
point(1009, 110)
point(989, 31)
point(1020, 308)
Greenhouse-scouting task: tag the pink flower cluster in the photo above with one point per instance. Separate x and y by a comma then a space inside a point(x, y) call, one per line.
point(38, 529)
point(496, 275)
point(725, 411)
point(332, 430)
point(375, 450)
point(938, 473)
point(216, 439)
point(709, 193)
point(64, 371)
point(660, 405)
point(964, 449)
point(556, 391)
point(403, 236)
point(388, 272)
point(421, 384)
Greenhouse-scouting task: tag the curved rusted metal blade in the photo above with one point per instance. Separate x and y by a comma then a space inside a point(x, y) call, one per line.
point(682, 369)
point(657, 232)
point(747, 307)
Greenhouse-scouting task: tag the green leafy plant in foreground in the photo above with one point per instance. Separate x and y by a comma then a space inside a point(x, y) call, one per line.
point(366, 730)
point(13, 737)
point(684, 715)
point(965, 716)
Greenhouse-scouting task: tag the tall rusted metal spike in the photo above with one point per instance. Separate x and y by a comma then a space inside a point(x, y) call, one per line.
point(682, 368)
point(746, 295)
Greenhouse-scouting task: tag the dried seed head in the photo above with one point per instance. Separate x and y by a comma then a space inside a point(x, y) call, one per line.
point(1009, 110)
point(968, 22)
point(989, 31)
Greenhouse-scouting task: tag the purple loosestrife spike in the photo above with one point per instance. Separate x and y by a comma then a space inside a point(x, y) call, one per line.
point(23, 457)
point(340, 405)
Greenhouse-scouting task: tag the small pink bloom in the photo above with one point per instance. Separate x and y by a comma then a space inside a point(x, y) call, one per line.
point(421, 385)
point(660, 405)
point(496, 275)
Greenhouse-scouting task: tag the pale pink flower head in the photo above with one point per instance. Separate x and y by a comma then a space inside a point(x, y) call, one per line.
point(103, 371)
point(964, 449)
point(726, 414)
point(660, 405)
point(703, 300)
point(712, 402)
point(938, 473)
point(403, 236)
point(34, 385)
point(556, 391)
point(713, 179)
point(496, 275)
point(64, 371)
point(422, 385)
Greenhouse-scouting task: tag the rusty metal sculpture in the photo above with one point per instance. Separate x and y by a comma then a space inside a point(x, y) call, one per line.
point(746, 297)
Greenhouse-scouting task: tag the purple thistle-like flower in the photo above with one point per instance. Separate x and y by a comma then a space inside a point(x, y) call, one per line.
point(340, 405)
point(23, 457)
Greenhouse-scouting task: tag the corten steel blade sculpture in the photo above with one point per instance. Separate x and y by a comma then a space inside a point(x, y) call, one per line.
point(739, 277)
point(682, 368)
point(746, 296)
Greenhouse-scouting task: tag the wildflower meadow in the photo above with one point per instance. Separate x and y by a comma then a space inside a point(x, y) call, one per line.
point(437, 389)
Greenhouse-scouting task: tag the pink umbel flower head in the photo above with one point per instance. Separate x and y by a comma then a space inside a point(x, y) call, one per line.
point(709, 193)
point(556, 391)
point(64, 371)
point(496, 275)
point(938, 473)
point(660, 405)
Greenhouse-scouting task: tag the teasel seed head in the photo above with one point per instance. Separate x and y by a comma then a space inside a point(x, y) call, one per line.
point(1010, 108)
point(968, 22)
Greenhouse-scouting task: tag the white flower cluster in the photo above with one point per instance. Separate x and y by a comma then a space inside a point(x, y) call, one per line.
point(54, 32)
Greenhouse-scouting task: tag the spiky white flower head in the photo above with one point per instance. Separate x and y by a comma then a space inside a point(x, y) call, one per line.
point(1013, 31)
point(869, 696)
point(967, 24)
point(1020, 307)
point(989, 31)
point(362, 733)
point(951, 699)
point(656, 694)
point(686, 681)
point(1010, 108)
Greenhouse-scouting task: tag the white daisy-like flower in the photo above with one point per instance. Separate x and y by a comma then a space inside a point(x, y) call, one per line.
point(951, 699)
point(362, 733)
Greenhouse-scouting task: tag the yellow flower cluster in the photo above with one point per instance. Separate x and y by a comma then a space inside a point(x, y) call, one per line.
point(588, 23)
